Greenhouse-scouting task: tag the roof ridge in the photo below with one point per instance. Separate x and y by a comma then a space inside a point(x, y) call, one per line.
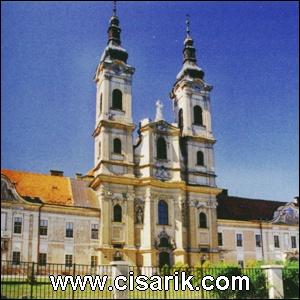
point(29, 172)
point(255, 199)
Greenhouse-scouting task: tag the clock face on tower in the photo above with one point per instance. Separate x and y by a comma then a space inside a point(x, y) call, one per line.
point(197, 87)
point(116, 68)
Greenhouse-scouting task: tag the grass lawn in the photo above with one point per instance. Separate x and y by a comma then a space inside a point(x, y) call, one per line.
point(43, 290)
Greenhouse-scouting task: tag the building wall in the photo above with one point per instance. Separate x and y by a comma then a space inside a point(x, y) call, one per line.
point(249, 251)
point(56, 245)
point(139, 241)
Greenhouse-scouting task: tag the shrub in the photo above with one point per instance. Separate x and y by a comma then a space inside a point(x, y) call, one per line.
point(257, 286)
point(290, 276)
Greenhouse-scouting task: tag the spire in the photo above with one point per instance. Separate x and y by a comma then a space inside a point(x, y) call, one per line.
point(114, 50)
point(190, 66)
point(114, 31)
point(189, 51)
point(187, 22)
point(114, 8)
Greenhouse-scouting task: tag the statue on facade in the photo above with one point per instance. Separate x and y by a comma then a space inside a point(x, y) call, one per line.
point(139, 216)
point(159, 111)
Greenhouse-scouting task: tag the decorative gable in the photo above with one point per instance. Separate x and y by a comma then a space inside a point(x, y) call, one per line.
point(288, 214)
point(8, 191)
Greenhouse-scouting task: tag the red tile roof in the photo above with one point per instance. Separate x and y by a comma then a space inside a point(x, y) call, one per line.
point(51, 189)
point(245, 209)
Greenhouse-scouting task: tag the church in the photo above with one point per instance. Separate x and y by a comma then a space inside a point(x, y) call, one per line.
point(151, 202)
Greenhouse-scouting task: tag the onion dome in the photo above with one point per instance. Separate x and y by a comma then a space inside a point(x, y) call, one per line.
point(190, 67)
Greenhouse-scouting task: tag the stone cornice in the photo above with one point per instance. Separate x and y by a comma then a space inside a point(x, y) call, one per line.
point(52, 208)
point(251, 224)
point(123, 180)
point(113, 124)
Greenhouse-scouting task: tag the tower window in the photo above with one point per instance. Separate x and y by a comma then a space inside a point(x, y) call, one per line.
point(117, 146)
point(180, 119)
point(161, 148)
point(163, 214)
point(117, 213)
point(202, 220)
point(117, 99)
point(198, 115)
point(100, 105)
point(200, 158)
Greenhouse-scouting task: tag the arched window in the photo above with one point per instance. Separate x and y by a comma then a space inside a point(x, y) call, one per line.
point(163, 215)
point(180, 119)
point(200, 158)
point(164, 242)
point(117, 213)
point(202, 220)
point(100, 105)
point(161, 148)
point(117, 146)
point(198, 115)
point(117, 99)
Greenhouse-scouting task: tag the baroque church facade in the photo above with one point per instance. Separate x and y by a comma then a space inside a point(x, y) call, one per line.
point(159, 186)
point(151, 203)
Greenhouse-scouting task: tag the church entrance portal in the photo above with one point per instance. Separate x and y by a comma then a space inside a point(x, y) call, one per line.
point(164, 259)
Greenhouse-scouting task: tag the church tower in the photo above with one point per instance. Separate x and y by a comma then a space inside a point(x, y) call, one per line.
point(114, 126)
point(191, 103)
point(113, 162)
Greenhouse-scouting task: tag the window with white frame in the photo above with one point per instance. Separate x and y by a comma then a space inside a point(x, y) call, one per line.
point(239, 240)
point(258, 240)
point(44, 227)
point(17, 224)
point(220, 238)
point(94, 260)
point(94, 231)
point(16, 258)
point(293, 241)
point(68, 260)
point(276, 241)
point(42, 259)
point(69, 229)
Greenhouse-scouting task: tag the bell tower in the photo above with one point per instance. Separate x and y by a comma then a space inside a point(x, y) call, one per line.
point(191, 105)
point(114, 126)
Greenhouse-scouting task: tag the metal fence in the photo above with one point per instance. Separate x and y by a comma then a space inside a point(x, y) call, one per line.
point(31, 281)
point(258, 285)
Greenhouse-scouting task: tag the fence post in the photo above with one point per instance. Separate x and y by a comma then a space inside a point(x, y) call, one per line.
point(31, 280)
point(274, 281)
point(119, 268)
point(74, 269)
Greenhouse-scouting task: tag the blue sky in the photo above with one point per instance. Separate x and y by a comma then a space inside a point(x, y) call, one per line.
point(248, 50)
